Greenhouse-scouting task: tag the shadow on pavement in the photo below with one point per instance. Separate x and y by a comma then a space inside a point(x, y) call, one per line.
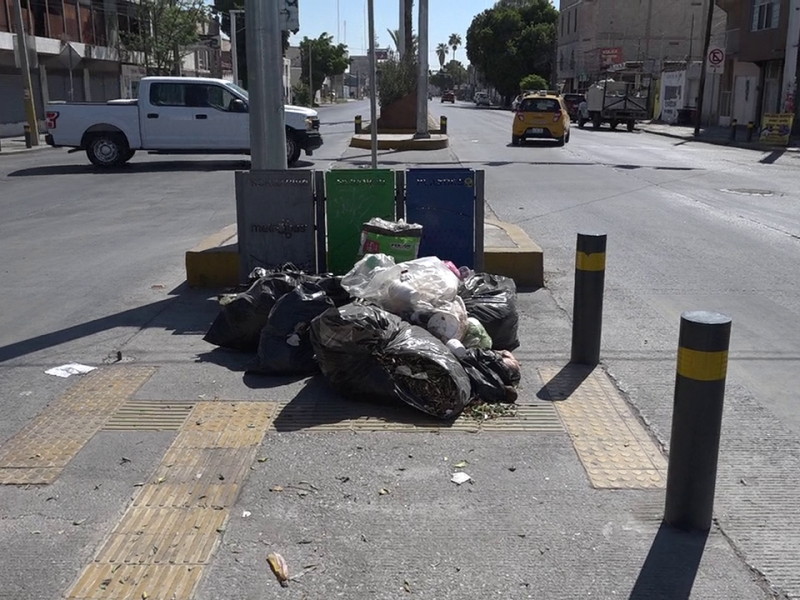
point(671, 565)
point(318, 405)
point(566, 381)
point(185, 320)
point(772, 157)
point(175, 166)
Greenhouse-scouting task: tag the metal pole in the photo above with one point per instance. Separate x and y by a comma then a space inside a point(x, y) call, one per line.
point(373, 85)
point(25, 71)
point(265, 85)
point(311, 89)
point(697, 419)
point(587, 311)
point(703, 67)
point(401, 30)
point(422, 79)
point(649, 69)
point(234, 49)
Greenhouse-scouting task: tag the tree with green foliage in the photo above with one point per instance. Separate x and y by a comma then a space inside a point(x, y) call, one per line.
point(508, 42)
point(533, 82)
point(167, 27)
point(327, 60)
point(223, 8)
point(454, 42)
point(450, 76)
point(396, 79)
point(442, 50)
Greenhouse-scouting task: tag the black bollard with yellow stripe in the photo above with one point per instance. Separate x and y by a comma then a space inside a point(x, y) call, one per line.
point(587, 311)
point(358, 125)
point(697, 419)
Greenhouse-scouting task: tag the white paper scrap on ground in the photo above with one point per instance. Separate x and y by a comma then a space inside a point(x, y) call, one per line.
point(460, 478)
point(70, 369)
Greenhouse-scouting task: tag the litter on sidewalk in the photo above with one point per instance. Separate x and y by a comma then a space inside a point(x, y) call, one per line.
point(422, 332)
point(69, 370)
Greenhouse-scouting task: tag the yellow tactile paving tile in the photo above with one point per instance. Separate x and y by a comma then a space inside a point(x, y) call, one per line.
point(49, 442)
point(176, 520)
point(124, 582)
point(611, 443)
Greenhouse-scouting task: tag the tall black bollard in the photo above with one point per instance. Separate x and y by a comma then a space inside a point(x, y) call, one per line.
point(358, 124)
point(28, 138)
point(697, 419)
point(734, 125)
point(587, 311)
point(750, 128)
point(443, 125)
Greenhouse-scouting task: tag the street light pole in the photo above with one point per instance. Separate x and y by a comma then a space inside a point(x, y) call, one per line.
point(703, 67)
point(235, 47)
point(373, 86)
point(422, 80)
point(25, 71)
point(265, 84)
point(311, 89)
point(401, 30)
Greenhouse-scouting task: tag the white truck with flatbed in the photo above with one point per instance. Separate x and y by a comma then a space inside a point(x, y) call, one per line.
point(614, 102)
point(172, 115)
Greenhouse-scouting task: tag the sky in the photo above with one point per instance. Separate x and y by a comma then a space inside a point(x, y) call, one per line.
point(445, 17)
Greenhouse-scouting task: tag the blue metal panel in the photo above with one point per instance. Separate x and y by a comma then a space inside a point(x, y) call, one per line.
point(443, 202)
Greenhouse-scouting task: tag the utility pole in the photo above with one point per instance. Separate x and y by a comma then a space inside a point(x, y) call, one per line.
point(791, 73)
point(25, 71)
point(401, 31)
point(373, 85)
point(706, 44)
point(311, 89)
point(649, 69)
point(235, 46)
point(265, 85)
point(422, 80)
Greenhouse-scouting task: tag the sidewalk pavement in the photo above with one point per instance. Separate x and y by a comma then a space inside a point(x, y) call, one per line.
point(175, 475)
point(720, 136)
point(16, 145)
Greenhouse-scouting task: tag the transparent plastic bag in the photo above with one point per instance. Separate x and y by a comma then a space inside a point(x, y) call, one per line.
point(421, 285)
point(359, 279)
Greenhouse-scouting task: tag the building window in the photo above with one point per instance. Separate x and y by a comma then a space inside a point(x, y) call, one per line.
point(766, 14)
point(562, 24)
point(575, 21)
point(569, 16)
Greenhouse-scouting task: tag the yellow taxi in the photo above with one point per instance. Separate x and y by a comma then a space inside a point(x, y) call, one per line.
point(541, 115)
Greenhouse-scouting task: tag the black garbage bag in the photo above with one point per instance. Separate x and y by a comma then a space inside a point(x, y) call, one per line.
point(492, 379)
point(285, 345)
point(492, 299)
point(369, 354)
point(239, 323)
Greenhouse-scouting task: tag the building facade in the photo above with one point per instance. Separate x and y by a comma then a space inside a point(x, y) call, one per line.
point(594, 35)
point(760, 45)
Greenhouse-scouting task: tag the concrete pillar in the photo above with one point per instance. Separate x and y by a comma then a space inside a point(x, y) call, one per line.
point(43, 84)
point(87, 86)
point(790, 68)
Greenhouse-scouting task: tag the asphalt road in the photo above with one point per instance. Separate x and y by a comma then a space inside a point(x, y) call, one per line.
point(92, 261)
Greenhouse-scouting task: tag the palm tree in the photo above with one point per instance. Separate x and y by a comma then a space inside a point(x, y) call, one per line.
point(454, 42)
point(395, 35)
point(442, 50)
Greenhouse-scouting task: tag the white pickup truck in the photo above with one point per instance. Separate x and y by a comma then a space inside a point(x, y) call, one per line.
point(173, 115)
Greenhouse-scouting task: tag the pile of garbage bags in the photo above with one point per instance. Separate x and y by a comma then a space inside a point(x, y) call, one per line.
point(423, 332)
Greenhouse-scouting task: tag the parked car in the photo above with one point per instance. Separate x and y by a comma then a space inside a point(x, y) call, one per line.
point(572, 101)
point(482, 99)
point(173, 115)
point(541, 115)
point(448, 96)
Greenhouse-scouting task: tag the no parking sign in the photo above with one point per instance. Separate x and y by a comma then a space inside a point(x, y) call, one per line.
point(715, 61)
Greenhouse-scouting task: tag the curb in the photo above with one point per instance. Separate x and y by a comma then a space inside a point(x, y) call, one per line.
point(24, 150)
point(214, 262)
point(524, 264)
point(726, 143)
point(435, 142)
